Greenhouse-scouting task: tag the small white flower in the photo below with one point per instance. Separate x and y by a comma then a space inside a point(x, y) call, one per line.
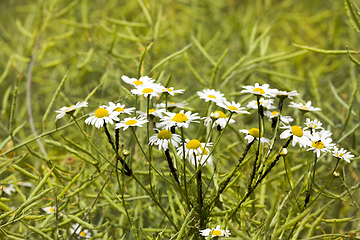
point(320, 144)
point(342, 154)
point(180, 119)
point(215, 232)
point(232, 107)
point(117, 109)
point(266, 104)
point(258, 90)
point(254, 133)
point(131, 122)
point(8, 190)
point(211, 95)
point(171, 91)
point(285, 94)
point(153, 112)
point(195, 147)
point(312, 124)
point(275, 114)
point(78, 230)
point(135, 82)
point(102, 115)
point(49, 210)
point(171, 105)
point(67, 110)
point(149, 89)
point(306, 108)
point(219, 119)
point(163, 138)
point(325, 133)
point(299, 136)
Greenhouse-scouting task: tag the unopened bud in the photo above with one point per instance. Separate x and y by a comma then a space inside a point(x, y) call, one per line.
point(336, 174)
point(284, 152)
point(126, 152)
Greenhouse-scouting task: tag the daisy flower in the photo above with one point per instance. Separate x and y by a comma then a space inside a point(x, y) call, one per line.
point(195, 147)
point(285, 94)
point(342, 154)
point(102, 115)
point(232, 107)
point(131, 122)
point(163, 138)
point(215, 232)
point(299, 136)
point(135, 82)
point(275, 114)
point(153, 112)
point(252, 134)
point(8, 190)
point(258, 90)
point(117, 109)
point(171, 91)
point(68, 110)
point(180, 119)
point(211, 95)
point(306, 108)
point(312, 124)
point(171, 105)
point(149, 89)
point(266, 104)
point(49, 210)
point(325, 133)
point(320, 144)
point(219, 119)
point(78, 230)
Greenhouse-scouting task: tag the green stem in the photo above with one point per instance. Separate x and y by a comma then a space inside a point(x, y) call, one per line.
point(184, 162)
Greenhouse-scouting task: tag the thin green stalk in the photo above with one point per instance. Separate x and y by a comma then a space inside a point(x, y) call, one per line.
point(288, 179)
point(307, 198)
point(184, 162)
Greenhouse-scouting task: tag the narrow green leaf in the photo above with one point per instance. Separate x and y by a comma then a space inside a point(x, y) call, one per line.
point(125, 23)
point(203, 51)
point(183, 227)
point(81, 222)
point(323, 51)
point(145, 11)
point(87, 58)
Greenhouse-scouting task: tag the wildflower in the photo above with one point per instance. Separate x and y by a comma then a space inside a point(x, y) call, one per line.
point(171, 91)
point(102, 115)
point(254, 134)
point(342, 154)
point(232, 107)
point(49, 210)
point(131, 122)
point(299, 136)
point(135, 82)
point(258, 90)
point(320, 144)
point(215, 232)
point(117, 109)
point(195, 147)
point(219, 119)
point(163, 138)
point(149, 89)
point(266, 104)
point(180, 119)
point(276, 114)
point(69, 110)
point(284, 152)
point(171, 105)
point(78, 230)
point(153, 112)
point(306, 108)
point(211, 95)
point(285, 94)
point(8, 190)
point(325, 133)
point(312, 124)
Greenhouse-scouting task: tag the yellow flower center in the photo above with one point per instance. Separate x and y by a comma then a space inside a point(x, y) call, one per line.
point(138, 82)
point(258, 90)
point(69, 109)
point(303, 108)
point(151, 110)
point(147, 90)
point(164, 134)
point(284, 152)
point(193, 144)
point(297, 131)
point(204, 150)
point(211, 96)
point(119, 109)
point(318, 144)
point(254, 132)
point(275, 113)
point(221, 114)
point(261, 102)
point(169, 89)
point(131, 122)
point(170, 103)
point(233, 108)
point(82, 234)
point(216, 233)
point(180, 118)
point(101, 112)
point(51, 209)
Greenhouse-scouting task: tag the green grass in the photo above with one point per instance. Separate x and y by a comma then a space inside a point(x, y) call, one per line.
point(56, 53)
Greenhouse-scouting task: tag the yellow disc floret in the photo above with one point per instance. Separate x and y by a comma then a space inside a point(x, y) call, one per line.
point(180, 118)
point(193, 144)
point(101, 112)
point(216, 233)
point(148, 90)
point(119, 109)
point(297, 131)
point(254, 132)
point(259, 90)
point(318, 144)
point(211, 96)
point(138, 82)
point(164, 134)
point(82, 234)
point(275, 113)
point(233, 108)
point(131, 122)
point(151, 110)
